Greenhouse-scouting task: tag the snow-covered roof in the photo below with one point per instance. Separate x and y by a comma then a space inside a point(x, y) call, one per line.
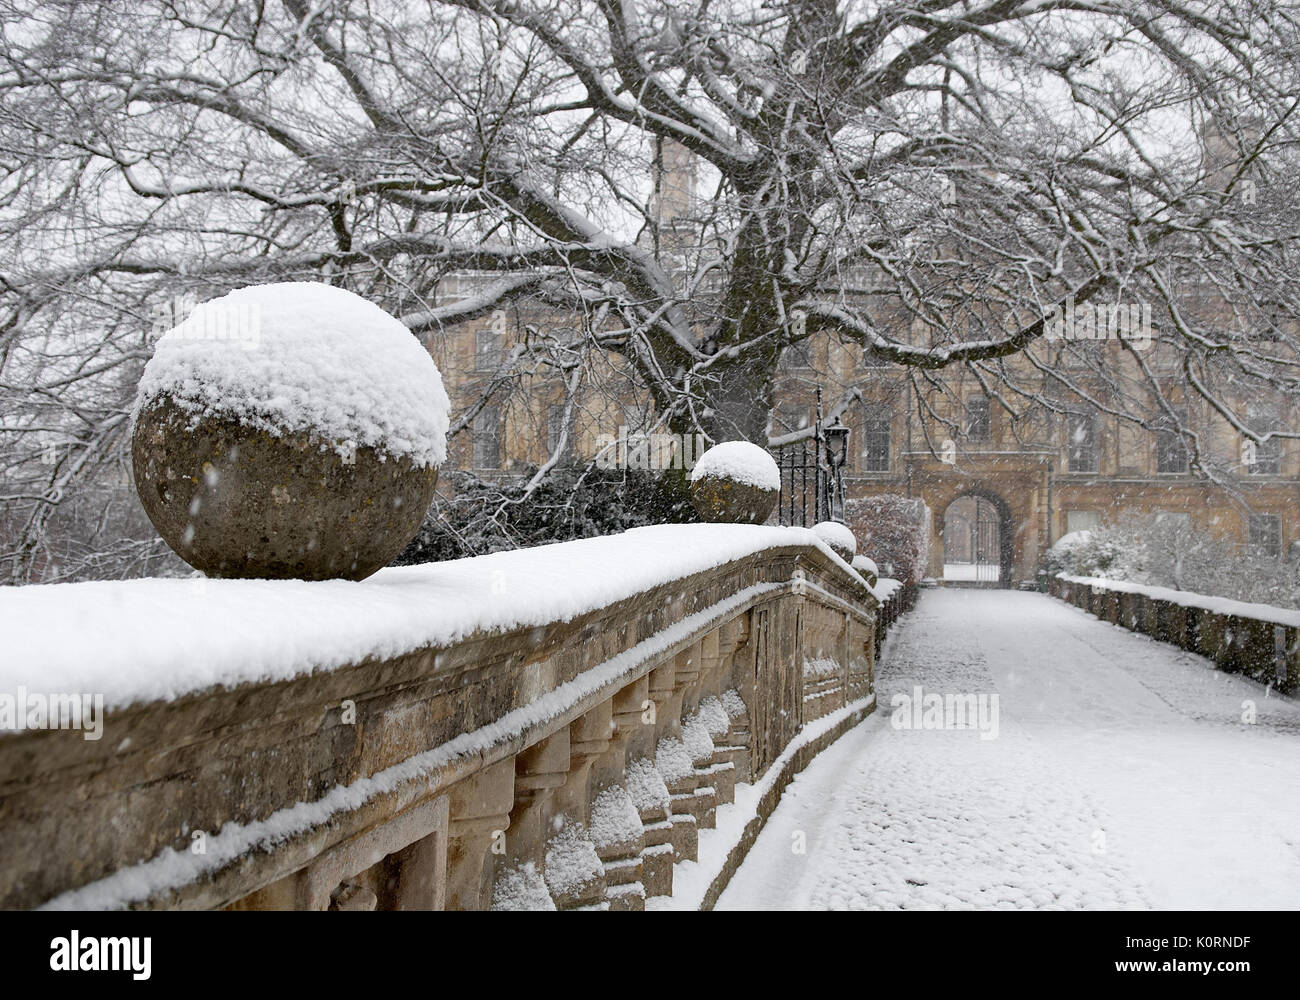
point(305, 357)
point(159, 639)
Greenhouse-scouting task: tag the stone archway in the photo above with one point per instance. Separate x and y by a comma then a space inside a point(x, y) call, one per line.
point(985, 504)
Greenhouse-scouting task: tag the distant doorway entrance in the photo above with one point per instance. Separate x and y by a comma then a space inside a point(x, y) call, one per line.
point(972, 541)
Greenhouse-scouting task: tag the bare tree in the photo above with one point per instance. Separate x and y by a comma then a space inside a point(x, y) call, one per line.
point(927, 180)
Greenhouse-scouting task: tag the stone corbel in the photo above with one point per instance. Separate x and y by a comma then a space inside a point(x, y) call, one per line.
point(398, 865)
point(480, 815)
point(539, 770)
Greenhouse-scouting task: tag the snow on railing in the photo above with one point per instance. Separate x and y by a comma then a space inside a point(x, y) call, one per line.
point(154, 639)
point(1258, 640)
point(1187, 599)
point(415, 738)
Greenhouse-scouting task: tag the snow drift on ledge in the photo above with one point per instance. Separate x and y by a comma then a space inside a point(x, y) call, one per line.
point(305, 357)
point(1188, 599)
point(143, 640)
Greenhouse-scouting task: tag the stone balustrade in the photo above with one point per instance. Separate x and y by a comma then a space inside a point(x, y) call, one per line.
point(569, 764)
point(1258, 641)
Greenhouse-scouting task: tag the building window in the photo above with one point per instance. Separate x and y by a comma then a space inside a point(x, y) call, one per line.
point(452, 288)
point(1266, 534)
point(487, 438)
point(1267, 454)
point(1082, 520)
point(875, 438)
point(487, 349)
point(978, 420)
point(1268, 458)
point(1171, 449)
point(555, 430)
point(859, 278)
point(1082, 428)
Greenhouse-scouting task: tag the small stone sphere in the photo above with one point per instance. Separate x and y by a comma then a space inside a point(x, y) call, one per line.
point(725, 501)
point(735, 482)
point(237, 501)
point(839, 537)
point(866, 569)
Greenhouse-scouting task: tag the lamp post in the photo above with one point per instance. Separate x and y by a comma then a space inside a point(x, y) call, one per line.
point(837, 453)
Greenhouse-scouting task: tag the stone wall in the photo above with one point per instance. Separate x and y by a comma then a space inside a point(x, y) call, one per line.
point(1266, 651)
point(570, 765)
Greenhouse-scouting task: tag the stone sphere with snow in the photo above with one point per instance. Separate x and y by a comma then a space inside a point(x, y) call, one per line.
point(289, 430)
point(866, 569)
point(735, 482)
point(839, 537)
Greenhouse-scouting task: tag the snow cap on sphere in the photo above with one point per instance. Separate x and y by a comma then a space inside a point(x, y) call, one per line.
point(865, 563)
point(305, 357)
point(836, 535)
point(741, 462)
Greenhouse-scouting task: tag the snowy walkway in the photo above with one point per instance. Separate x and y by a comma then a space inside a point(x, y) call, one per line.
point(1122, 775)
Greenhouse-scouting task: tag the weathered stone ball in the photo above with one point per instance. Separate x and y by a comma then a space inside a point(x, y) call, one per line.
point(236, 501)
point(735, 482)
point(866, 569)
point(289, 431)
point(839, 537)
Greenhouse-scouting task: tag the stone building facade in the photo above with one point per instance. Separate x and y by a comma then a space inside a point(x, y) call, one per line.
point(1046, 469)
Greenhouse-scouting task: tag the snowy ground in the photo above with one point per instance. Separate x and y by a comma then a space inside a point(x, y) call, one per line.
point(1122, 775)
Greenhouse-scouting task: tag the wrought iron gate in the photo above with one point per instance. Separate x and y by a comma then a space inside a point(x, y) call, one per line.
point(812, 483)
point(986, 547)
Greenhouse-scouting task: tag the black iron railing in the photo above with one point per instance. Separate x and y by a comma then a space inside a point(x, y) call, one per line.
point(812, 474)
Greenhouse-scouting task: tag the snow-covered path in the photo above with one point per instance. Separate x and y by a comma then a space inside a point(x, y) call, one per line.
point(1122, 775)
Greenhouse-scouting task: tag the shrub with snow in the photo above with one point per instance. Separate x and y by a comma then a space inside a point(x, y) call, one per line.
point(697, 741)
point(715, 717)
point(895, 531)
point(733, 704)
point(305, 357)
point(573, 502)
point(1086, 553)
point(572, 865)
point(1161, 551)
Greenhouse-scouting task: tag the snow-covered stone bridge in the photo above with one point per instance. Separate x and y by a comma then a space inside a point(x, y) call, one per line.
point(1122, 772)
point(547, 728)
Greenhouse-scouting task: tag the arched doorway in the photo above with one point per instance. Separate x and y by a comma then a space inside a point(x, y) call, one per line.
point(977, 540)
